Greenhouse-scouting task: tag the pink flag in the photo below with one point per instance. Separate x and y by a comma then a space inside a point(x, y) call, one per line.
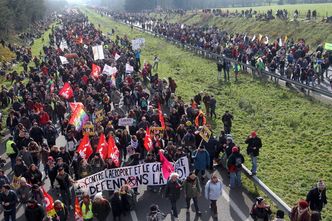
point(166, 167)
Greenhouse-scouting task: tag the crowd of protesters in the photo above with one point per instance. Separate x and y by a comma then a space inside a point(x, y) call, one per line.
point(288, 57)
point(39, 115)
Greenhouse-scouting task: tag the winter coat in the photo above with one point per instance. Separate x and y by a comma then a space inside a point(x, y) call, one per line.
point(191, 187)
point(235, 162)
point(316, 199)
point(35, 213)
point(101, 209)
point(24, 193)
point(294, 216)
point(11, 198)
point(253, 142)
point(211, 146)
point(116, 206)
point(173, 189)
point(213, 190)
point(202, 159)
point(260, 213)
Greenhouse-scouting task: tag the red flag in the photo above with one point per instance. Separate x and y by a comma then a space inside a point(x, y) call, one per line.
point(85, 149)
point(66, 91)
point(161, 116)
point(95, 72)
point(113, 151)
point(147, 140)
point(49, 204)
point(102, 147)
point(166, 167)
point(78, 211)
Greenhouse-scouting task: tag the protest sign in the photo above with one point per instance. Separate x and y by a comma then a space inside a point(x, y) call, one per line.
point(89, 128)
point(99, 115)
point(205, 133)
point(63, 45)
point(129, 68)
point(98, 52)
point(108, 70)
point(63, 60)
point(125, 122)
point(142, 174)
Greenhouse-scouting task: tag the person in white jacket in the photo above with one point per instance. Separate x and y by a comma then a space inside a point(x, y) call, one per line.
point(213, 190)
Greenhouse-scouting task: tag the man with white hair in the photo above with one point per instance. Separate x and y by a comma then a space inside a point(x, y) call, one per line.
point(100, 207)
point(173, 188)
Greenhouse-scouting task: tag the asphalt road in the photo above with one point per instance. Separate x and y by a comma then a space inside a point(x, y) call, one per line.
point(234, 205)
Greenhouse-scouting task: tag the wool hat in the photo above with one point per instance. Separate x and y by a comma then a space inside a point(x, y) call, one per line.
point(303, 204)
point(235, 149)
point(253, 134)
point(259, 199)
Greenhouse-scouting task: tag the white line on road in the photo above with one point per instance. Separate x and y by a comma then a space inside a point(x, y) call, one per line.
point(234, 206)
point(133, 215)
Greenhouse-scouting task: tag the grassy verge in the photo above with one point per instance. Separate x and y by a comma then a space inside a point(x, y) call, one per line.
point(36, 48)
point(295, 130)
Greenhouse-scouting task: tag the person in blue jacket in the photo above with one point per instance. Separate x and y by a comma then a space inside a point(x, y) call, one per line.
point(201, 161)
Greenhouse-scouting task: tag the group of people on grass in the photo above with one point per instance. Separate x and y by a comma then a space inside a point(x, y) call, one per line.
point(40, 113)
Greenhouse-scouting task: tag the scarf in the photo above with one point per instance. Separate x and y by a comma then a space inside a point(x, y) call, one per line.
point(134, 144)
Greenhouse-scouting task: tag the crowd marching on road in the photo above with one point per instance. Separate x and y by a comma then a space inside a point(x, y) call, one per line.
point(118, 118)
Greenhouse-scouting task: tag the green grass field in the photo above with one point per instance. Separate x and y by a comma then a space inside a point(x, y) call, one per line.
point(295, 130)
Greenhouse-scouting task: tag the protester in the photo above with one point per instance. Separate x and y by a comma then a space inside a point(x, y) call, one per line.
point(300, 211)
point(8, 200)
point(260, 211)
point(227, 119)
point(201, 161)
point(155, 214)
point(100, 207)
point(316, 197)
point(254, 144)
point(116, 206)
point(234, 165)
point(213, 190)
point(172, 192)
point(11, 151)
point(34, 211)
point(192, 190)
point(279, 216)
point(61, 211)
point(86, 207)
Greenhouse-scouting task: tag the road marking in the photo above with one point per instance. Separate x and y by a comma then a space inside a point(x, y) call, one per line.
point(133, 215)
point(234, 206)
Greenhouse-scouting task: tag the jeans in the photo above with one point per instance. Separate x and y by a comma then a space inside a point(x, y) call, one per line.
point(226, 74)
point(195, 203)
point(254, 163)
point(10, 216)
point(235, 178)
point(214, 206)
point(12, 161)
point(66, 197)
point(174, 209)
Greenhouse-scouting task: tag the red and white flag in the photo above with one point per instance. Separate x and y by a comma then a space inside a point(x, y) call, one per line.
point(78, 211)
point(161, 116)
point(96, 71)
point(49, 204)
point(66, 91)
point(166, 167)
point(148, 140)
point(102, 147)
point(85, 149)
point(113, 151)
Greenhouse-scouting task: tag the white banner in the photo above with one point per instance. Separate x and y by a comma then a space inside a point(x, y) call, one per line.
point(142, 174)
point(125, 122)
point(137, 43)
point(63, 60)
point(98, 52)
point(108, 70)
